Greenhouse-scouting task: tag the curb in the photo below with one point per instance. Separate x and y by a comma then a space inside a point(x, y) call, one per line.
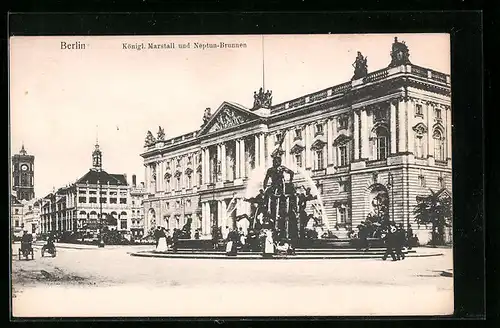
point(259, 257)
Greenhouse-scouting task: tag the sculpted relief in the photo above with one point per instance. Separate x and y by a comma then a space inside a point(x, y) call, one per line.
point(227, 118)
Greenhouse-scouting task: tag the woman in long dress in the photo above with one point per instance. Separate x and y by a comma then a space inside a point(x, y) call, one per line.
point(162, 242)
point(268, 244)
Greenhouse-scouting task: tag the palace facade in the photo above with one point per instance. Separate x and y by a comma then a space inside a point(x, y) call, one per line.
point(97, 195)
point(387, 131)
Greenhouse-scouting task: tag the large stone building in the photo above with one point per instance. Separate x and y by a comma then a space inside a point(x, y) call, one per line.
point(81, 205)
point(383, 132)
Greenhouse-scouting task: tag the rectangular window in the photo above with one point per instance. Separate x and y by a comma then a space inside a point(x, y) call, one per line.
point(123, 200)
point(381, 144)
point(298, 134)
point(103, 200)
point(419, 151)
point(298, 160)
point(188, 203)
point(123, 223)
point(277, 138)
point(93, 200)
point(93, 192)
point(319, 159)
point(342, 215)
point(319, 129)
point(178, 183)
point(418, 110)
point(113, 200)
point(188, 182)
point(82, 199)
point(113, 193)
point(437, 113)
point(167, 205)
point(343, 155)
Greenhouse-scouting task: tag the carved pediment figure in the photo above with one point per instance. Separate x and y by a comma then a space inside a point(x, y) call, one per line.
point(150, 139)
point(360, 66)
point(400, 54)
point(227, 118)
point(160, 134)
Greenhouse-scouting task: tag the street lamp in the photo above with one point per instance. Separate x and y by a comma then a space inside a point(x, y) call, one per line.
point(390, 184)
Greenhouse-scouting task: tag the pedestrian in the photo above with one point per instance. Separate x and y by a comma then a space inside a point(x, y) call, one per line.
point(175, 239)
point(268, 249)
point(399, 242)
point(389, 243)
point(156, 235)
point(409, 237)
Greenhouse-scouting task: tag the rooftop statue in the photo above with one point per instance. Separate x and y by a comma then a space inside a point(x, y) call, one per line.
point(161, 134)
point(150, 139)
point(206, 116)
point(262, 99)
point(400, 54)
point(360, 66)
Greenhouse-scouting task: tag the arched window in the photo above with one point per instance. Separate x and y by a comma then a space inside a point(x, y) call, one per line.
point(438, 145)
point(380, 140)
point(167, 182)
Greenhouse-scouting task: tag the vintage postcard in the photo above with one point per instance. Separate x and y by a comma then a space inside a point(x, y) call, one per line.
point(242, 175)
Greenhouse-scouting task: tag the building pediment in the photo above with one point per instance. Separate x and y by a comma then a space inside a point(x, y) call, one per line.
point(318, 144)
point(297, 148)
point(341, 139)
point(227, 116)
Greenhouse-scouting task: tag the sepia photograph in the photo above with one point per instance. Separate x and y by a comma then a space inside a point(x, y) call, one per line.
point(231, 175)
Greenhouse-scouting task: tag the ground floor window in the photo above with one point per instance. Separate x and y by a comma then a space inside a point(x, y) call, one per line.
point(123, 224)
point(342, 215)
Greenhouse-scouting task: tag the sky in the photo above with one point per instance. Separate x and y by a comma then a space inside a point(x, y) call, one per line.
point(61, 100)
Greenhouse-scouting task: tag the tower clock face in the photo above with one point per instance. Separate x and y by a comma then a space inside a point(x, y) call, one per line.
point(24, 167)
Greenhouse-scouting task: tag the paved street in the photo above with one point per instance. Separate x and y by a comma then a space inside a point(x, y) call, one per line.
point(110, 282)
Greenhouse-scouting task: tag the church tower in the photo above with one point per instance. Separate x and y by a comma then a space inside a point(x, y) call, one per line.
point(23, 175)
point(97, 158)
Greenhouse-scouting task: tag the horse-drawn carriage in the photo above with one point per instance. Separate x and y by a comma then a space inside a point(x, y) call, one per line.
point(26, 250)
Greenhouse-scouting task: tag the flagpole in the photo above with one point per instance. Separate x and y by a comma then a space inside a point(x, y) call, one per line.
point(263, 66)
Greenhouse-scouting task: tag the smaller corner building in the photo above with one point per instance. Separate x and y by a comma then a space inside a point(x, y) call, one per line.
point(97, 195)
point(386, 131)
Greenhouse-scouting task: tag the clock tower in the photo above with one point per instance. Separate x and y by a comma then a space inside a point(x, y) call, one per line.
point(23, 175)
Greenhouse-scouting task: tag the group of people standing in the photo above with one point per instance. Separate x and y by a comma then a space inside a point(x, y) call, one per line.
point(165, 240)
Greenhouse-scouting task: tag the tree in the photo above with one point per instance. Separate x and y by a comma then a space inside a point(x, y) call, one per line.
point(434, 209)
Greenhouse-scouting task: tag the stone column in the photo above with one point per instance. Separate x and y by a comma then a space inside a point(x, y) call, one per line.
point(393, 127)
point(365, 144)
point(262, 153)
point(329, 141)
point(430, 140)
point(449, 147)
point(223, 213)
point(356, 135)
point(410, 110)
point(237, 157)
point(219, 158)
point(223, 162)
point(243, 172)
point(307, 143)
point(256, 148)
point(146, 177)
point(402, 141)
point(270, 148)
